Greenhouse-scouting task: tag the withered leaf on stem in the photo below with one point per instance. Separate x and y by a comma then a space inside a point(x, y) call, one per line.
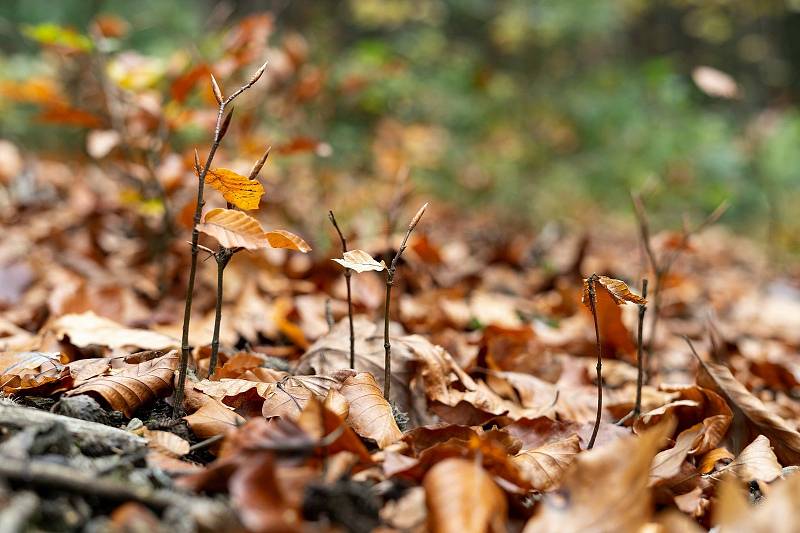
point(360, 261)
point(242, 192)
point(618, 290)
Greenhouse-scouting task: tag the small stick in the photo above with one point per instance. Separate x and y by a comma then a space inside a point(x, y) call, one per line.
point(223, 257)
point(387, 374)
point(637, 407)
point(347, 275)
point(220, 129)
point(593, 305)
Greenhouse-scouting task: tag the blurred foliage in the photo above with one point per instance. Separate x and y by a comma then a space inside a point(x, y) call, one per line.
point(539, 110)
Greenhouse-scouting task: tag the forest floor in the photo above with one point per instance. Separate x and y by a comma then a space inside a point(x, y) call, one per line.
point(493, 384)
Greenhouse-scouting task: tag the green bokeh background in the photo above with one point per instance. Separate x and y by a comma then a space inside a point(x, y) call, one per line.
point(544, 110)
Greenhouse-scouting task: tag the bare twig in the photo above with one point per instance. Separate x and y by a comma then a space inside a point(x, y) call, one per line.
point(219, 131)
point(347, 275)
point(637, 406)
point(593, 305)
point(661, 266)
point(387, 374)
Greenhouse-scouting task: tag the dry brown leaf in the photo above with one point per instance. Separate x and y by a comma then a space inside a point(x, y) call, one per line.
point(733, 513)
point(667, 464)
point(167, 443)
point(133, 385)
point(360, 261)
point(370, 415)
point(86, 329)
point(606, 488)
point(544, 466)
point(234, 229)
point(213, 418)
point(239, 190)
point(750, 416)
point(617, 289)
point(710, 461)
point(462, 498)
point(279, 238)
point(32, 372)
point(288, 397)
point(756, 462)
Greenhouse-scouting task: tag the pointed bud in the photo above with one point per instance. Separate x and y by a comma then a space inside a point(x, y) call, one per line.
point(225, 123)
point(196, 162)
point(259, 164)
point(415, 220)
point(217, 91)
point(258, 73)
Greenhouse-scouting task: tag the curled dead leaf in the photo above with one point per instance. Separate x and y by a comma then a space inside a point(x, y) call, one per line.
point(284, 239)
point(618, 290)
point(370, 415)
point(233, 229)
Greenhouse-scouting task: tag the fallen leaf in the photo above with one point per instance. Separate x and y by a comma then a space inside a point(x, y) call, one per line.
point(544, 466)
point(213, 418)
point(86, 329)
point(134, 384)
point(167, 443)
point(462, 498)
point(605, 488)
point(239, 190)
point(756, 462)
point(370, 415)
point(360, 261)
point(750, 416)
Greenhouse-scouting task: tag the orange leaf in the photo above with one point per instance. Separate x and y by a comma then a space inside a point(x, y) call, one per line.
point(462, 498)
point(242, 192)
point(214, 418)
point(618, 290)
point(283, 239)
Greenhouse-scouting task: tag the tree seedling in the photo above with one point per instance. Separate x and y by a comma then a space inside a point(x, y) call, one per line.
point(233, 229)
point(619, 292)
point(637, 406)
point(387, 346)
point(661, 265)
point(347, 275)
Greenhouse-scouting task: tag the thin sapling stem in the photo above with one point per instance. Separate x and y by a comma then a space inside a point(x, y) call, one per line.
point(347, 275)
point(221, 127)
point(637, 406)
point(387, 374)
point(593, 305)
point(223, 257)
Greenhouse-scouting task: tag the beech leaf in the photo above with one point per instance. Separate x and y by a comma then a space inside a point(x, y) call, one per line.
point(233, 229)
point(284, 239)
point(462, 498)
point(242, 192)
point(133, 385)
point(544, 466)
point(370, 414)
point(360, 261)
point(617, 289)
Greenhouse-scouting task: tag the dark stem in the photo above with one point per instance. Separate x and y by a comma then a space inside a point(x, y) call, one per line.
point(593, 305)
point(187, 310)
point(223, 257)
point(651, 337)
point(220, 129)
point(387, 346)
point(347, 275)
point(637, 407)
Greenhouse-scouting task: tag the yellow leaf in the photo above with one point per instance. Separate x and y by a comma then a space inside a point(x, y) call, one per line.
point(283, 239)
point(242, 192)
